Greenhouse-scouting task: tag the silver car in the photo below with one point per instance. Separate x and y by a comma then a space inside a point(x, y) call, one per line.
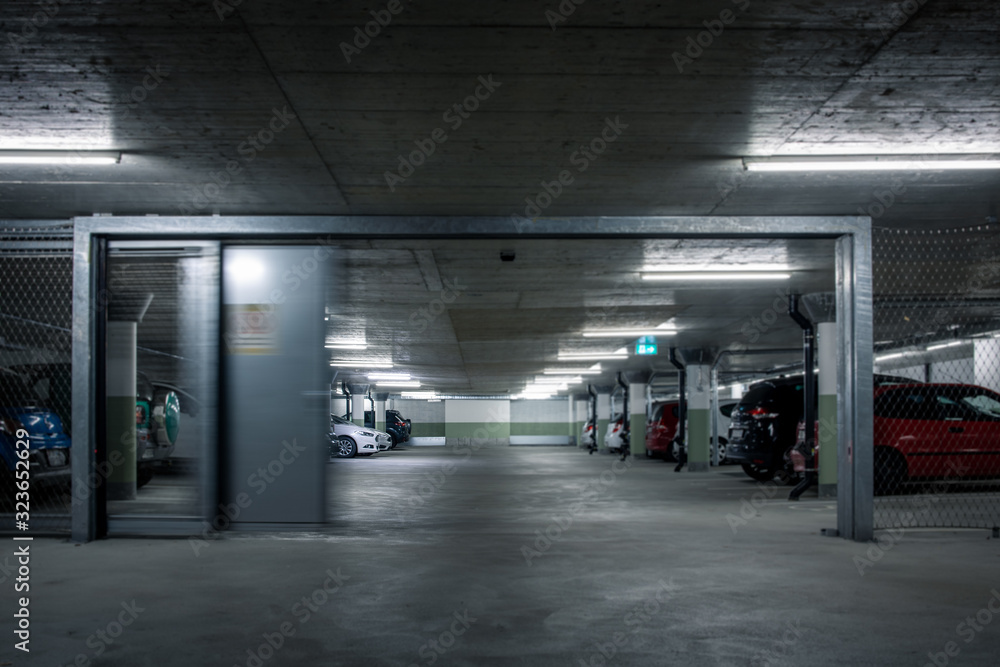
point(347, 439)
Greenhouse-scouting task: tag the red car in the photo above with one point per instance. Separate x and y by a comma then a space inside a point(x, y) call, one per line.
point(660, 432)
point(935, 431)
point(930, 431)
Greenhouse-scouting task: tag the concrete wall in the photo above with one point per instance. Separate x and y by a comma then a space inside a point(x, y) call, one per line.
point(540, 422)
point(427, 418)
point(487, 421)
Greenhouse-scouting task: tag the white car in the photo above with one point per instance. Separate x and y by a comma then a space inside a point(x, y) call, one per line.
point(613, 438)
point(725, 412)
point(347, 439)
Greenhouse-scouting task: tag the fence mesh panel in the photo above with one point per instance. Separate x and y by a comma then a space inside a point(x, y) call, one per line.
point(36, 289)
point(937, 423)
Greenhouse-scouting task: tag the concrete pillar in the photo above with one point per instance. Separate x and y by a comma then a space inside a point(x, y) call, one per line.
point(380, 399)
point(121, 407)
point(699, 427)
point(987, 362)
point(603, 416)
point(358, 404)
point(637, 418)
point(826, 349)
point(581, 419)
point(713, 412)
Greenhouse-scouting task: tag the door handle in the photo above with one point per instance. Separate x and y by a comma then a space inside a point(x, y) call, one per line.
point(956, 429)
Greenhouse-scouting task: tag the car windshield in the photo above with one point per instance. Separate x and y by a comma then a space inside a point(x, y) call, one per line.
point(943, 403)
point(985, 404)
point(338, 420)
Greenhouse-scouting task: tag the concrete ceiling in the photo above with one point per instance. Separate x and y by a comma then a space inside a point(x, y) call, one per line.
point(255, 109)
point(783, 77)
point(461, 320)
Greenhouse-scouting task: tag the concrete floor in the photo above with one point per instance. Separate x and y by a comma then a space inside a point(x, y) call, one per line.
point(441, 559)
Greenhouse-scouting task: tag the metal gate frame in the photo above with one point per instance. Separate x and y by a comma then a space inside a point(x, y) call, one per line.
point(853, 295)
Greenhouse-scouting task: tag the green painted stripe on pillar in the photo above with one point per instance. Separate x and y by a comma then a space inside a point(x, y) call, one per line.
point(827, 416)
point(699, 435)
point(121, 438)
point(637, 442)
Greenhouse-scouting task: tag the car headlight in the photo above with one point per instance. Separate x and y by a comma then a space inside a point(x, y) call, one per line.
point(367, 434)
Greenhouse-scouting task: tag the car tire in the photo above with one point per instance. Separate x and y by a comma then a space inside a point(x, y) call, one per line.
point(890, 471)
point(759, 473)
point(344, 447)
point(143, 476)
point(675, 450)
point(393, 441)
point(722, 446)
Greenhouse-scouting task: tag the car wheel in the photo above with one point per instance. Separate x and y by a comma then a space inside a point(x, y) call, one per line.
point(758, 472)
point(344, 447)
point(722, 450)
point(890, 471)
point(143, 476)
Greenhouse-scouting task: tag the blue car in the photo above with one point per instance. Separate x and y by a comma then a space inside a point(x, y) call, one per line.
point(22, 415)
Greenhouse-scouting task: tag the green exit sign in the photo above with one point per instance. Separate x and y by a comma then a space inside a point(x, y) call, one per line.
point(646, 345)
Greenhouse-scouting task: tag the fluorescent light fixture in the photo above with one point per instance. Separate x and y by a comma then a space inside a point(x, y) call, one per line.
point(361, 363)
point(872, 163)
point(344, 345)
point(542, 388)
point(410, 384)
point(558, 379)
point(894, 355)
point(60, 157)
point(716, 275)
point(573, 371)
point(389, 376)
point(591, 356)
point(941, 346)
point(533, 396)
point(627, 333)
point(418, 394)
point(733, 266)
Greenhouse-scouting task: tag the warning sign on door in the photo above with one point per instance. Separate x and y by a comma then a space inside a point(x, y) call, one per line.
point(252, 328)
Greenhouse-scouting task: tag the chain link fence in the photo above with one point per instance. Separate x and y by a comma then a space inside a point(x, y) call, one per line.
point(937, 421)
point(36, 290)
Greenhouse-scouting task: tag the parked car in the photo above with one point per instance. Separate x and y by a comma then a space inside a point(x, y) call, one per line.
point(764, 426)
point(347, 439)
point(613, 437)
point(398, 428)
point(589, 436)
point(935, 431)
point(24, 416)
point(725, 418)
point(157, 424)
point(661, 431)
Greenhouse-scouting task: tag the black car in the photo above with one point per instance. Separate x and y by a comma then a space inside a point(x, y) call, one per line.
point(765, 423)
point(397, 427)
